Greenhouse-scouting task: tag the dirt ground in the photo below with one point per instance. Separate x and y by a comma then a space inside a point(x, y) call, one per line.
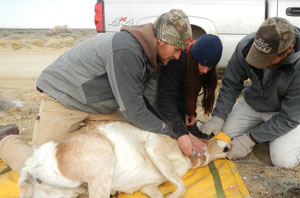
point(25, 53)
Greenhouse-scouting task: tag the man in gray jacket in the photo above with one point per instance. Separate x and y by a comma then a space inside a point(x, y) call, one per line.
point(112, 71)
point(99, 77)
point(269, 109)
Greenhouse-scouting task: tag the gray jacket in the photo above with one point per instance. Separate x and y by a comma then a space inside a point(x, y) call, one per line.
point(270, 90)
point(107, 72)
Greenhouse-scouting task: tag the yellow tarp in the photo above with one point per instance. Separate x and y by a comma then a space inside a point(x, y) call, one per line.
point(217, 180)
point(8, 182)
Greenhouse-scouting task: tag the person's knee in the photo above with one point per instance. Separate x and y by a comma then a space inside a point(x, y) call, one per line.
point(284, 161)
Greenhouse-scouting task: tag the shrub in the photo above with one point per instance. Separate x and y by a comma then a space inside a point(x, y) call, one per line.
point(60, 29)
point(16, 45)
point(37, 43)
point(3, 43)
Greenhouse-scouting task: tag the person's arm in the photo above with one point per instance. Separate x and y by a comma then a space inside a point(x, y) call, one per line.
point(171, 83)
point(232, 84)
point(127, 78)
point(172, 77)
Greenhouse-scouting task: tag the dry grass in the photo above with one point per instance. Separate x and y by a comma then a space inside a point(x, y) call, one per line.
point(16, 45)
point(37, 43)
point(56, 38)
point(3, 43)
point(69, 42)
point(52, 43)
point(61, 43)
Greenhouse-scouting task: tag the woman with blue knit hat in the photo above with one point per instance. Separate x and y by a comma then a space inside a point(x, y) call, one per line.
point(180, 83)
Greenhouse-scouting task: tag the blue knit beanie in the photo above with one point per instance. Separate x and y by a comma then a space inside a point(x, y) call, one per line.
point(207, 50)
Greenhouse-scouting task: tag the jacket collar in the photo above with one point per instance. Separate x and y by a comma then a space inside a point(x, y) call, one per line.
point(144, 34)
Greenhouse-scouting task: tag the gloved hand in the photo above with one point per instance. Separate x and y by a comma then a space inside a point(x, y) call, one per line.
point(212, 126)
point(240, 147)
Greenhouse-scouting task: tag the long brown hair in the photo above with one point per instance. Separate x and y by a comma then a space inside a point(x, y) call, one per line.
point(195, 83)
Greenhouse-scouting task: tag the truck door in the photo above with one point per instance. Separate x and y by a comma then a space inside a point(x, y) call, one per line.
point(289, 9)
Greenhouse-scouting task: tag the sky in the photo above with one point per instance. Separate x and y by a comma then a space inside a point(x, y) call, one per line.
point(47, 13)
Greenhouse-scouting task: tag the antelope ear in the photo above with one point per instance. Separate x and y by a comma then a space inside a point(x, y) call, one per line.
point(26, 188)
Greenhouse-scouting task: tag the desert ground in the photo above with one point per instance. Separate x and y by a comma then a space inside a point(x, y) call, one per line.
point(24, 53)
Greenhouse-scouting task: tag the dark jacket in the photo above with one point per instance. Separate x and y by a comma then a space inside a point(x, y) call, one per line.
point(107, 72)
point(277, 92)
point(171, 89)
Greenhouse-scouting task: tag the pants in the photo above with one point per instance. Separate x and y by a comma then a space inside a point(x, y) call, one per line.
point(284, 150)
point(53, 120)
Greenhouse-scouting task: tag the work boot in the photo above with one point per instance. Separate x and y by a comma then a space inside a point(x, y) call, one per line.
point(10, 129)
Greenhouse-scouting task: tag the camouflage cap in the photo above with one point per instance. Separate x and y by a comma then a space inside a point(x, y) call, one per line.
point(173, 28)
point(274, 36)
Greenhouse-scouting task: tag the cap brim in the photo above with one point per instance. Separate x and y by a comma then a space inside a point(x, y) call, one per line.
point(258, 59)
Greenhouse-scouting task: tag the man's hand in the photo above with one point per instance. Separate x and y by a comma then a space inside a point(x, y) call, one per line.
point(190, 144)
point(212, 126)
point(240, 147)
point(197, 144)
point(185, 144)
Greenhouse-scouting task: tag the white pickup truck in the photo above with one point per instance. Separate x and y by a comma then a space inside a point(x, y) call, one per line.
point(231, 20)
